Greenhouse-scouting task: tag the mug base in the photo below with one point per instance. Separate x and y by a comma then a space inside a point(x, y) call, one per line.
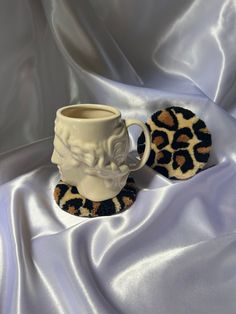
point(70, 200)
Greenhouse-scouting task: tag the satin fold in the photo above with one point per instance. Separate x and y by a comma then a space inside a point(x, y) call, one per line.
point(173, 251)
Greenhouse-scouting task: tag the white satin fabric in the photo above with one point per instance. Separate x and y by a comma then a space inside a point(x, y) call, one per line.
point(173, 251)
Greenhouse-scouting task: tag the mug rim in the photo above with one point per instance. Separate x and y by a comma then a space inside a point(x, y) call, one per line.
point(116, 112)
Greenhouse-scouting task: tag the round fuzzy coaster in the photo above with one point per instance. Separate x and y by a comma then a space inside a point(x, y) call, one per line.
point(181, 143)
point(69, 199)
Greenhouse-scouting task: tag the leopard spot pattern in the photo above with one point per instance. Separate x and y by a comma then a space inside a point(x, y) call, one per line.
point(180, 143)
point(70, 200)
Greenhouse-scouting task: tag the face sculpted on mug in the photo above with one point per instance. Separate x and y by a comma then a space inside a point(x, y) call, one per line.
point(91, 147)
point(105, 159)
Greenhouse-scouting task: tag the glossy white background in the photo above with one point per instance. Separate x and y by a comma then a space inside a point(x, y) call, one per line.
point(174, 250)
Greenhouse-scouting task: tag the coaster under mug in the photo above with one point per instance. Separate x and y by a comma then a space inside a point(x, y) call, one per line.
point(69, 199)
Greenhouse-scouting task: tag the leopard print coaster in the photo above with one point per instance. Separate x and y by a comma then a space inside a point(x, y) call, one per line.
point(69, 199)
point(181, 143)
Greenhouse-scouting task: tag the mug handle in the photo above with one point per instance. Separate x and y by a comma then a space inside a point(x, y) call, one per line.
point(142, 162)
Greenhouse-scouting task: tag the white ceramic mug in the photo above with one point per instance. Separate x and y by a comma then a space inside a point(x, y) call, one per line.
point(91, 146)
